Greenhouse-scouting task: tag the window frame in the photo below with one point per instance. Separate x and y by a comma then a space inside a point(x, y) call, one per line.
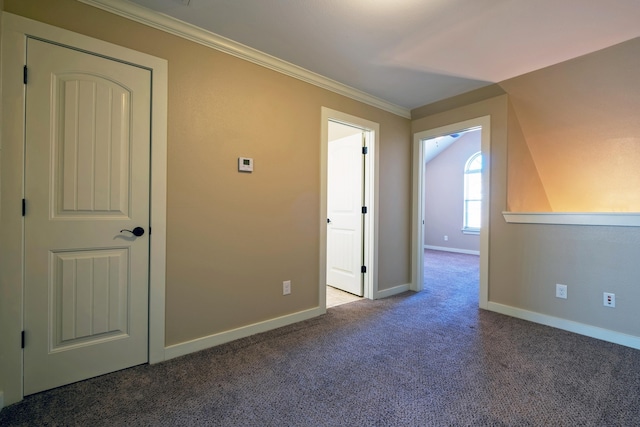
point(466, 229)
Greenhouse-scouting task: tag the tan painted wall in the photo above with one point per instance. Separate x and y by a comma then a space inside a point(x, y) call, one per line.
point(233, 238)
point(576, 121)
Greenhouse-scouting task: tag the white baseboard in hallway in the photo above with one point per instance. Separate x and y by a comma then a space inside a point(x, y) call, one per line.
point(567, 325)
point(203, 343)
point(393, 291)
point(459, 251)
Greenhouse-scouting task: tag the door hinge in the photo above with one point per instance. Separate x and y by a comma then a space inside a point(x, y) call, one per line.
point(22, 339)
point(363, 269)
point(149, 230)
point(365, 150)
point(24, 207)
point(24, 74)
point(364, 209)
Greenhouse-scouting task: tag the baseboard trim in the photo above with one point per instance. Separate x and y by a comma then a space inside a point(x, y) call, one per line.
point(392, 291)
point(567, 325)
point(459, 251)
point(203, 343)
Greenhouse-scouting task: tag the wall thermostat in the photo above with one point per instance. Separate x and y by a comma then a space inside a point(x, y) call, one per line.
point(245, 164)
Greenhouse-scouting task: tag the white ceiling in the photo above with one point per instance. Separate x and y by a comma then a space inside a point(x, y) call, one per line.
point(415, 52)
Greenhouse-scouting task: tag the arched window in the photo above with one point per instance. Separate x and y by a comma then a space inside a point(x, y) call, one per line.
point(472, 193)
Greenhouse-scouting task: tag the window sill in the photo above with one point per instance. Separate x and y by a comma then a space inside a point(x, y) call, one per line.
point(622, 219)
point(475, 231)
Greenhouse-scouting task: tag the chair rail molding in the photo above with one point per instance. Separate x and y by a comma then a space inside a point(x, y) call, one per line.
point(616, 219)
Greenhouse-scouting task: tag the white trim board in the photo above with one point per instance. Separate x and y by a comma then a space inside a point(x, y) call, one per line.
point(393, 291)
point(458, 251)
point(195, 34)
point(15, 30)
point(615, 219)
point(204, 343)
point(567, 325)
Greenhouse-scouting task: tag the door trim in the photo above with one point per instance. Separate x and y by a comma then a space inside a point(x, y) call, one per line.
point(371, 201)
point(15, 30)
point(417, 244)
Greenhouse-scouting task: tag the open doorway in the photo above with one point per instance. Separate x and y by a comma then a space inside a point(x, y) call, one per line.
point(452, 214)
point(452, 192)
point(463, 229)
point(348, 207)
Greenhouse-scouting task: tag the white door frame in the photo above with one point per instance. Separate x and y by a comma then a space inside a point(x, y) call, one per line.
point(371, 201)
point(15, 30)
point(417, 271)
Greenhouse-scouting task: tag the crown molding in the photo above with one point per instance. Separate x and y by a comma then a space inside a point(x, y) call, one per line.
point(195, 34)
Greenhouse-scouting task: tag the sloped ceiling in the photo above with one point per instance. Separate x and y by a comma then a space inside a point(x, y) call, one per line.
point(415, 52)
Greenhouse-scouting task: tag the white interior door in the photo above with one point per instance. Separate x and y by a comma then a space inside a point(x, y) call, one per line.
point(345, 177)
point(87, 178)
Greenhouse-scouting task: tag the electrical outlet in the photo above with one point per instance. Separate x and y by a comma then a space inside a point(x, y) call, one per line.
point(286, 287)
point(609, 299)
point(446, 238)
point(561, 291)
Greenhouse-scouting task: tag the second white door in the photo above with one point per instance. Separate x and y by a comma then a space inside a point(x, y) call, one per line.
point(345, 195)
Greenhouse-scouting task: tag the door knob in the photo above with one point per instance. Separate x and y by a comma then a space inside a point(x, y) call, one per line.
point(138, 231)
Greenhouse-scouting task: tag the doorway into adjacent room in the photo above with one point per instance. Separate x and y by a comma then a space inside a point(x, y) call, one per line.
point(451, 197)
point(453, 192)
point(348, 231)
